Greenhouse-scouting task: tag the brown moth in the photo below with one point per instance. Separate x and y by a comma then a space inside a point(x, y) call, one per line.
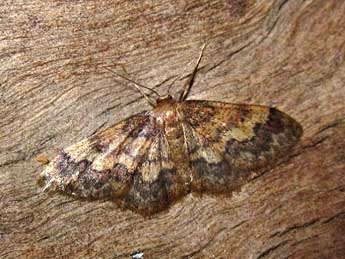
point(150, 160)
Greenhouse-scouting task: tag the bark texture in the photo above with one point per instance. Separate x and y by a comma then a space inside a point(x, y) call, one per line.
point(284, 53)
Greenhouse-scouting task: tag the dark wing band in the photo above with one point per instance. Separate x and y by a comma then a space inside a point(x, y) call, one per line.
point(128, 163)
point(227, 140)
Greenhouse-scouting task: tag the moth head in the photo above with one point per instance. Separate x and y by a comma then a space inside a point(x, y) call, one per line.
point(165, 99)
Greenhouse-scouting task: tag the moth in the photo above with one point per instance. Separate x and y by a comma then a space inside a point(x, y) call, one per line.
point(152, 159)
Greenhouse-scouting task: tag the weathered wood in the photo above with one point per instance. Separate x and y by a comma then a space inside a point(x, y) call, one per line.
point(54, 91)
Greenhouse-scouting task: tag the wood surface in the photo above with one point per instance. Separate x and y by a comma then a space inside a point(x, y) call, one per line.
point(289, 54)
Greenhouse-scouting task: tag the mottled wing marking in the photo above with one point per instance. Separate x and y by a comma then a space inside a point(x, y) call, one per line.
point(157, 158)
point(157, 182)
point(129, 162)
point(103, 164)
point(151, 159)
point(225, 140)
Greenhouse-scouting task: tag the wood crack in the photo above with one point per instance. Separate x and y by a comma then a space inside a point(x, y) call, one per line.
point(204, 246)
point(295, 227)
point(338, 215)
point(272, 249)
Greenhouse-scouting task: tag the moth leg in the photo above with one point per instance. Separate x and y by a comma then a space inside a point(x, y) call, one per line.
point(42, 159)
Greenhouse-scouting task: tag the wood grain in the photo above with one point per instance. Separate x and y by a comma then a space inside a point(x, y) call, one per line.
point(54, 92)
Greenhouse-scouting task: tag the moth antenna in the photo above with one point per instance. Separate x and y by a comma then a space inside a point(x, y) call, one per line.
point(138, 87)
point(177, 78)
point(173, 82)
point(190, 81)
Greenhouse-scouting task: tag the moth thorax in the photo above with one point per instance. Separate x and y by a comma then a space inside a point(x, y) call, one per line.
point(165, 111)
